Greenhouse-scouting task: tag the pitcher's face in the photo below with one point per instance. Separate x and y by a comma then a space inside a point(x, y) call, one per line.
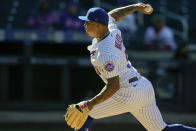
point(91, 28)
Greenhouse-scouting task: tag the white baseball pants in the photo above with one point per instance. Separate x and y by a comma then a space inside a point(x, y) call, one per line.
point(138, 99)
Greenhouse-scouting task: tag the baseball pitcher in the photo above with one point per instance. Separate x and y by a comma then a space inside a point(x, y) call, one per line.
point(125, 90)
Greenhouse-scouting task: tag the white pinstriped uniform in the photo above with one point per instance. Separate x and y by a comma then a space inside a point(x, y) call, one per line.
point(109, 59)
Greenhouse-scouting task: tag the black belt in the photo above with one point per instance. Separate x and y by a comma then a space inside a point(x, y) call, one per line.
point(133, 79)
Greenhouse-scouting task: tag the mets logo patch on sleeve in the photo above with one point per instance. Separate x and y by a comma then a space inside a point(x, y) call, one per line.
point(109, 66)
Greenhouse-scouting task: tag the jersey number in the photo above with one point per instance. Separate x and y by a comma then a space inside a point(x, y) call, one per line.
point(126, 55)
point(118, 44)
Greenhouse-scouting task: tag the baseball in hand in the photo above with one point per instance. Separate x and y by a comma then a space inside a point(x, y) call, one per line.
point(148, 9)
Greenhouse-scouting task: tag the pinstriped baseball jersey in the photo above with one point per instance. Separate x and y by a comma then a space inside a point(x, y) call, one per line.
point(109, 56)
point(109, 59)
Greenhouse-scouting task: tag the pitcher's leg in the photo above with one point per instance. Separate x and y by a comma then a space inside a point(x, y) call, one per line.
point(150, 117)
point(108, 108)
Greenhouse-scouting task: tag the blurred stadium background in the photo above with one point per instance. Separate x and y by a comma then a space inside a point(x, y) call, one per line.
point(42, 70)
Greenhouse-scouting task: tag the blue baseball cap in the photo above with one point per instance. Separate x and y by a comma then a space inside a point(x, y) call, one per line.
point(96, 14)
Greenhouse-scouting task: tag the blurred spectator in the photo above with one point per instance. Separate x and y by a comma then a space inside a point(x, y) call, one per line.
point(45, 18)
point(159, 35)
point(69, 18)
point(127, 24)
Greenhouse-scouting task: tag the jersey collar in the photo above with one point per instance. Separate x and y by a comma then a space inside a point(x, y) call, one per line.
point(96, 44)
